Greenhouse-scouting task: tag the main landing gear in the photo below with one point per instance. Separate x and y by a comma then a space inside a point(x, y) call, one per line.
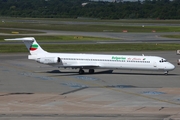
point(81, 71)
point(91, 71)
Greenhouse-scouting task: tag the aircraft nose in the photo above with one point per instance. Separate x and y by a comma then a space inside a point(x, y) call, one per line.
point(170, 67)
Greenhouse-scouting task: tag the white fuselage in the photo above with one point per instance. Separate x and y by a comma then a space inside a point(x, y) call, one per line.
point(130, 62)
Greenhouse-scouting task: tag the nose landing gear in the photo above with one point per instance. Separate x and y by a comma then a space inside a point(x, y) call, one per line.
point(166, 72)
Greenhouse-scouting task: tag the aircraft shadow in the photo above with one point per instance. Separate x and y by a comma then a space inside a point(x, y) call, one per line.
point(69, 73)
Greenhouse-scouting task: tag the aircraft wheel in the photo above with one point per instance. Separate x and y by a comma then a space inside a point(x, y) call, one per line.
point(91, 71)
point(166, 72)
point(81, 71)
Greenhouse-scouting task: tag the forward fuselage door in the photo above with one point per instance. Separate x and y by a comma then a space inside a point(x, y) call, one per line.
point(154, 64)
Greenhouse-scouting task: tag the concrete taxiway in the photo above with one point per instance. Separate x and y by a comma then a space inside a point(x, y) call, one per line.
point(32, 90)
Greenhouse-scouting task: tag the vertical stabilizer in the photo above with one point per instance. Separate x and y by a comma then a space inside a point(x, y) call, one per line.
point(31, 44)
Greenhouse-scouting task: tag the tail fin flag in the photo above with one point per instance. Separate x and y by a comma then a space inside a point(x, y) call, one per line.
point(31, 44)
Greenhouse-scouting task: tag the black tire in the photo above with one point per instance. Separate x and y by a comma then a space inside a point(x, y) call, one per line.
point(81, 71)
point(91, 71)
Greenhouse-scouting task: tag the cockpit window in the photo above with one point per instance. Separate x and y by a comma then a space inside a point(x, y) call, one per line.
point(163, 60)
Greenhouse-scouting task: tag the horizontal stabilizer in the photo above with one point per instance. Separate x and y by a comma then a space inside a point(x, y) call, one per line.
point(31, 44)
point(22, 39)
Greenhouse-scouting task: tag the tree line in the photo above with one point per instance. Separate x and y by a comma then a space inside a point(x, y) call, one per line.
point(148, 9)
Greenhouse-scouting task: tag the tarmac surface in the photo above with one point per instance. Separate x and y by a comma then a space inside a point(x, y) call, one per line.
point(29, 90)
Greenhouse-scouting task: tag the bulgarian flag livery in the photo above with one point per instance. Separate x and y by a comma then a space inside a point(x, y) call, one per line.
point(33, 47)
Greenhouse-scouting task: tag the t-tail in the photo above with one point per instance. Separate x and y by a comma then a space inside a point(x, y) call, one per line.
point(31, 44)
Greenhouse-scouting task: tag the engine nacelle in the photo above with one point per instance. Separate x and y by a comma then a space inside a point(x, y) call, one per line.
point(49, 60)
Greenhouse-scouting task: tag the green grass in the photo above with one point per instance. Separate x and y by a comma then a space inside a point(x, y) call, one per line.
point(17, 31)
point(96, 20)
point(171, 36)
point(93, 47)
point(92, 26)
point(69, 37)
point(56, 38)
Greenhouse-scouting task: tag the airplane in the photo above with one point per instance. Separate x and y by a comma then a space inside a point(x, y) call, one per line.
point(94, 61)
